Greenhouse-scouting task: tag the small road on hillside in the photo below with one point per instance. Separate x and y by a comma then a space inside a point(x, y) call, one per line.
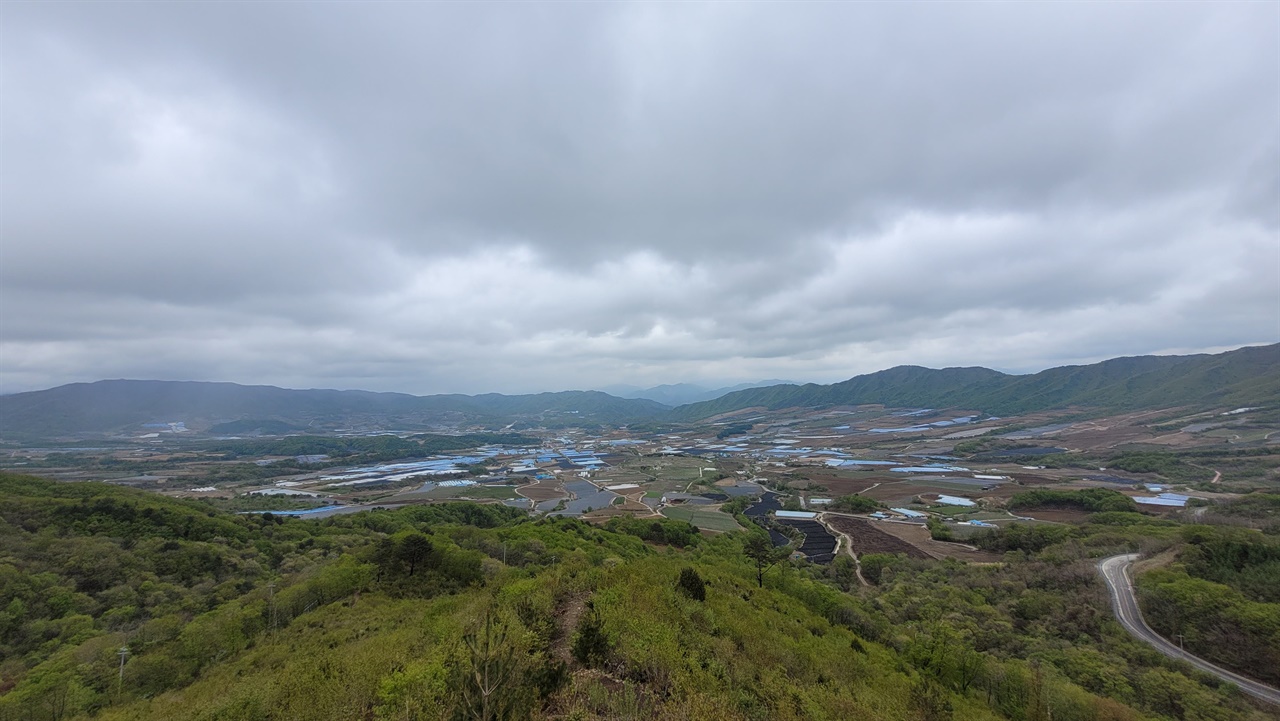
point(1115, 571)
point(843, 542)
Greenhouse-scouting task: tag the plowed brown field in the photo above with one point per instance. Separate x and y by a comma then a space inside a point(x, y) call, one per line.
point(867, 538)
point(542, 490)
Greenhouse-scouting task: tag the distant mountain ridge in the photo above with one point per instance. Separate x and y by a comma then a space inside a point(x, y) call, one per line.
point(108, 406)
point(678, 394)
point(1248, 375)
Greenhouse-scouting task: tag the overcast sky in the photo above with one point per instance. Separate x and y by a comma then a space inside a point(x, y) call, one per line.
point(523, 197)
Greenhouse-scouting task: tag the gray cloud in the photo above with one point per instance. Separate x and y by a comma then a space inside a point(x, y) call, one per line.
point(440, 197)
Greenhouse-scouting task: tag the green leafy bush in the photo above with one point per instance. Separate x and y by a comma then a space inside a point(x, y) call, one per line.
point(691, 585)
point(854, 504)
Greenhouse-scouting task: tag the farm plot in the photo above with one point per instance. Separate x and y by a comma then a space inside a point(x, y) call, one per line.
point(703, 518)
point(674, 468)
point(918, 536)
point(899, 492)
point(847, 483)
point(625, 475)
point(867, 538)
point(542, 490)
point(474, 492)
point(1056, 515)
point(819, 545)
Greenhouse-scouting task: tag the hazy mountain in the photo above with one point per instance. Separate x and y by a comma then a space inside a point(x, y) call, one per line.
point(679, 394)
point(1246, 376)
point(114, 405)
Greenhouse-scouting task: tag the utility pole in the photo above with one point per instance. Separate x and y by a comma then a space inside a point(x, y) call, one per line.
point(1180, 648)
point(124, 651)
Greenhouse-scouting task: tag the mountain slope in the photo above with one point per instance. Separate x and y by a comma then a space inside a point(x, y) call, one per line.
point(1244, 376)
point(109, 406)
point(679, 394)
point(899, 386)
point(399, 614)
point(1247, 376)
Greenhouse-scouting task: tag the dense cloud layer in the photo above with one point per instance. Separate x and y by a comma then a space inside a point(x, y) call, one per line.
point(521, 197)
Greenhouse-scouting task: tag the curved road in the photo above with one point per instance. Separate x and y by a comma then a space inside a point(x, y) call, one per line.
point(1115, 571)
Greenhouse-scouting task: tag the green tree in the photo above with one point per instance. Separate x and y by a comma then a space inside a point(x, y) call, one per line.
point(759, 548)
point(691, 584)
point(413, 550)
point(488, 686)
point(853, 504)
point(938, 529)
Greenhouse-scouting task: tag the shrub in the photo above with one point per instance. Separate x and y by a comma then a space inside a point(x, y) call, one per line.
point(691, 584)
point(938, 530)
point(853, 504)
point(591, 646)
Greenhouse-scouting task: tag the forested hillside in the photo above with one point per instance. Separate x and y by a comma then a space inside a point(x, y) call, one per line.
point(1245, 376)
point(476, 612)
point(1221, 599)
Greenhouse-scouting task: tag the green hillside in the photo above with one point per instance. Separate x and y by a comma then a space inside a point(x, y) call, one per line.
point(404, 614)
point(1245, 376)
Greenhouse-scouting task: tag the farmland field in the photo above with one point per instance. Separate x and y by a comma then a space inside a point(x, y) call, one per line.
point(918, 536)
point(710, 520)
point(1059, 515)
point(867, 538)
point(495, 492)
point(845, 483)
point(543, 490)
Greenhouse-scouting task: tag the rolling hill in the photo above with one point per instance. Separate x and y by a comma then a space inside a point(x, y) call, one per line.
point(684, 393)
point(1247, 376)
point(114, 405)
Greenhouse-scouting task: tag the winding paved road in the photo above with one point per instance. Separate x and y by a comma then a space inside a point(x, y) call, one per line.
point(1115, 571)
